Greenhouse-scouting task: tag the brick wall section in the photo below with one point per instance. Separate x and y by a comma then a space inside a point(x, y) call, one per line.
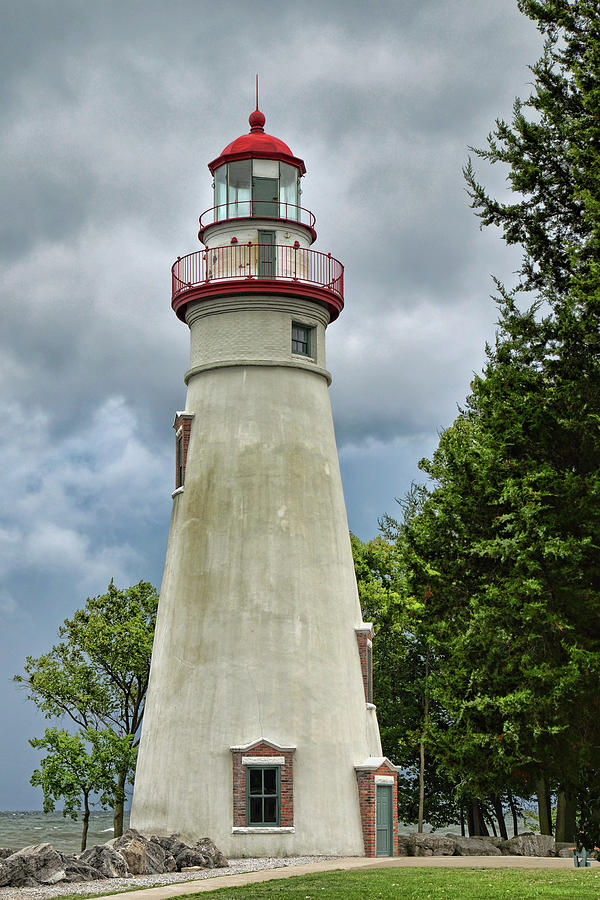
point(366, 799)
point(286, 784)
point(363, 638)
point(183, 421)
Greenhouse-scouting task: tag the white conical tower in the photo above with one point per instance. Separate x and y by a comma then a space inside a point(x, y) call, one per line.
point(259, 729)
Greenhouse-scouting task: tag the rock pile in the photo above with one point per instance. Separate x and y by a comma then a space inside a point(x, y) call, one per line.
point(527, 844)
point(130, 854)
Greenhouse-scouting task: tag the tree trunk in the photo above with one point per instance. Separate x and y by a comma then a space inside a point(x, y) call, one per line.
point(86, 820)
point(462, 820)
point(481, 820)
point(421, 785)
point(497, 804)
point(118, 811)
point(544, 807)
point(475, 820)
point(471, 817)
point(515, 818)
point(422, 747)
point(566, 812)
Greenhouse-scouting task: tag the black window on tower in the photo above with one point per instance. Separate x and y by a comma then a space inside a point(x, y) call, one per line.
point(301, 339)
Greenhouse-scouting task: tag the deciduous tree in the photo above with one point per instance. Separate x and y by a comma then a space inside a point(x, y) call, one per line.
point(97, 675)
point(80, 766)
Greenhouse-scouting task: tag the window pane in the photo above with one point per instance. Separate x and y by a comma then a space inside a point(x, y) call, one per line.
point(270, 809)
point(255, 781)
point(256, 809)
point(270, 781)
point(221, 192)
point(265, 168)
point(238, 193)
point(288, 191)
point(301, 340)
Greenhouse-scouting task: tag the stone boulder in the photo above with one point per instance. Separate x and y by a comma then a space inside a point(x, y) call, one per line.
point(191, 858)
point(143, 856)
point(4, 852)
point(209, 848)
point(430, 845)
point(32, 866)
point(75, 870)
point(106, 861)
point(403, 840)
point(490, 839)
point(134, 854)
point(172, 843)
point(464, 846)
point(529, 844)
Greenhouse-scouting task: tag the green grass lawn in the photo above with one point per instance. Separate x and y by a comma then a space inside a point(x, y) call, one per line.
point(423, 884)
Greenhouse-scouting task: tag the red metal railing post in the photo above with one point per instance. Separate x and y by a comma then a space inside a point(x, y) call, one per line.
point(249, 260)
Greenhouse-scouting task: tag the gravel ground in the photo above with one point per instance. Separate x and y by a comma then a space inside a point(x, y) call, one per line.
point(114, 885)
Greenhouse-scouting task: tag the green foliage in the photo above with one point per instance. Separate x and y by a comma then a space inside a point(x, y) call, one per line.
point(504, 547)
point(96, 676)
point(79, 765)
point(402, 672)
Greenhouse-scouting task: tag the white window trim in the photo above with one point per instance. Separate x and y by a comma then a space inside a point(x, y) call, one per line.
point(384, 779)
point(263, 760)
point(240, 748)
point(261, 829)
point(178, 490)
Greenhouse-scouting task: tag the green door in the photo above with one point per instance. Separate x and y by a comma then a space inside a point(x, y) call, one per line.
point(384, 829)
point(265, 197)
point(266, 254)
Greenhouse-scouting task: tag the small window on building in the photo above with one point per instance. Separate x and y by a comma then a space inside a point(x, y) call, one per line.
point(301, 339)
point(263, 795)
point(179, 461)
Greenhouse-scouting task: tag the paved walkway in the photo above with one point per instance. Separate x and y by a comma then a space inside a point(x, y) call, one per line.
point(350, 862)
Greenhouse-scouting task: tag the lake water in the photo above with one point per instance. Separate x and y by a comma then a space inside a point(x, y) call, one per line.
point(20, 829)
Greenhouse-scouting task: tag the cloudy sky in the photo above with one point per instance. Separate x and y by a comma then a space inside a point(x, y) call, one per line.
point(110, 112)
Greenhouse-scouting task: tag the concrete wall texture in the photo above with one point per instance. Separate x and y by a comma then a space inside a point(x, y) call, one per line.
point(258, 608)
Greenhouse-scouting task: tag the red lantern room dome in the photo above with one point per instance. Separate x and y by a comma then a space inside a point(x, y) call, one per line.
point(257, 145)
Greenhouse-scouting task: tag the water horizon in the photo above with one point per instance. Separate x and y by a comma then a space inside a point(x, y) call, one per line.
point(23, 828)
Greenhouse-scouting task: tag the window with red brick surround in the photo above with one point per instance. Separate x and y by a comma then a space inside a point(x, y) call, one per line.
point(364, 636)
point(263, 754)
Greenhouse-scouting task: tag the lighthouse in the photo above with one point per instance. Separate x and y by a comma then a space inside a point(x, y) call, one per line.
point(259, 729)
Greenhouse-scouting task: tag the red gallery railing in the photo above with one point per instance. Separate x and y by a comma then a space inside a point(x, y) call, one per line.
point(257, 262)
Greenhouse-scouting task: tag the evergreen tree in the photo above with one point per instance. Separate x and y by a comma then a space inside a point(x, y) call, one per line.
point(506, 544)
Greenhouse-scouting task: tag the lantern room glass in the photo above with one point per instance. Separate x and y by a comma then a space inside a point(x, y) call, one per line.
point(239, 188)
point(288, 191)
point(233, 193)
point(221, 193)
